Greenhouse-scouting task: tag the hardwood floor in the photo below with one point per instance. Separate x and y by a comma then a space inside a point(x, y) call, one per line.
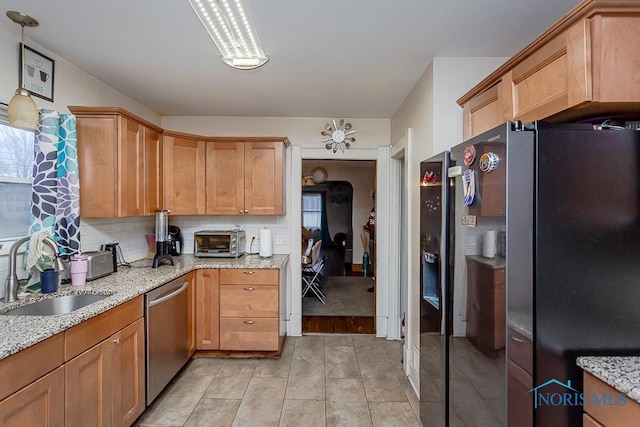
point(335, 266)
point(339, 324)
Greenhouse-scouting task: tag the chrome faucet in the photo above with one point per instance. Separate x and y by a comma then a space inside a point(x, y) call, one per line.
point(12, 282)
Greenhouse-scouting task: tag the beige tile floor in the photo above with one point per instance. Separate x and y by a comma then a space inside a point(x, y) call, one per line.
point(320, 380)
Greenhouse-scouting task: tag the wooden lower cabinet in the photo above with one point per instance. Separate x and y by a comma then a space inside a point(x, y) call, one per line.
point(128, 371)
point(41, 403)
point(249, 310)
point(238, 310)
point(249, 334)
point(207, 310)
point(88, 388)
point(616, 413)
point(191, 313)
point(520, 406)
point(105, 384)
point(485, 306)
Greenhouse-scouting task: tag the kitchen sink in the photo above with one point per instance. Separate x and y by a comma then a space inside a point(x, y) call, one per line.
point(59, 305)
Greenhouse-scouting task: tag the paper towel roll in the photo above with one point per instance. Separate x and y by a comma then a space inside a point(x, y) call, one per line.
point(489, 244)
point(266, 244)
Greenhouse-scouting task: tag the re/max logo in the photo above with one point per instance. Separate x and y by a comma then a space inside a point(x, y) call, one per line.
point(571, 397)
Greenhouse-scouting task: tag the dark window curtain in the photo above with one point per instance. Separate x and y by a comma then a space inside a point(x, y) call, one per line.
point(324, 223)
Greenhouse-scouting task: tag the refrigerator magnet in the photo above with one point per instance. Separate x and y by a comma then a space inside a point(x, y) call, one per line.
point(488, 162)
point(469, 186)
point(469, 155)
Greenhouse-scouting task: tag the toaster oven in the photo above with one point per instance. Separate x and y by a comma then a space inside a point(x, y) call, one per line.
point(219, 243)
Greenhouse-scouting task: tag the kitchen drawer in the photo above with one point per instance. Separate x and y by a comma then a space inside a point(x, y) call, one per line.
point(26, 366)
point(244, 276)
point(248, 301)
point(256, 334)
point(626, 415)
point(520, 350)
point(90, 332)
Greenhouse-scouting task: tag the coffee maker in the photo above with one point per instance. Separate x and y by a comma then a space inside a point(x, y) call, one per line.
point(162, 233)
point(175, 241)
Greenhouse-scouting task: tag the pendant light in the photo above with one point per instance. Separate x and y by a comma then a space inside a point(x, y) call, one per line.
point(23, 111)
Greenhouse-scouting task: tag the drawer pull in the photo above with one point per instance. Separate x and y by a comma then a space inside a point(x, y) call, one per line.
point(518, 340)
point(249, 322)
point(249, 272)
point(117, 341)
point(249, 289)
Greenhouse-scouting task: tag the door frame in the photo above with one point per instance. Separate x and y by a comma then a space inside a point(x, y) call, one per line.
point(387, 288)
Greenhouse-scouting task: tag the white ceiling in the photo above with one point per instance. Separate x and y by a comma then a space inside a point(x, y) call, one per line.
point(328, 58)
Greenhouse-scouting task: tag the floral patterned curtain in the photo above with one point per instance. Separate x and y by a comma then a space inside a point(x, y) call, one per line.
point(55, 201)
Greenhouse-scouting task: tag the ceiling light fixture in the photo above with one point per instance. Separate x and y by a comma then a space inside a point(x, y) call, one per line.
point(23, 111)
point(337, 136)
point(229, 25)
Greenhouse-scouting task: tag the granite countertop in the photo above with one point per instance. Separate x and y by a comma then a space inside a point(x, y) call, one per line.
point(495, 263)
point(620, 372)
point(20, 332)
point(520, 320)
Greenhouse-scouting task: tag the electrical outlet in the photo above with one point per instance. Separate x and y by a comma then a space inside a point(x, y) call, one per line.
point(281, 239)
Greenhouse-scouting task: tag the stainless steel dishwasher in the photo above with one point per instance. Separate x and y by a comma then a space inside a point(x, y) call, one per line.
point(166, 334)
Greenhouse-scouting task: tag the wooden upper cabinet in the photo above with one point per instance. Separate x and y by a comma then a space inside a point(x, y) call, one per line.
point(97, 163)
point(120, 163)
point(586, 65)
point(264, 180)
point(225, 178)
point(245, 177)
point(130, 167)
point(153, 161)
point(184, 175)
point(488, 110)
point(555, 77)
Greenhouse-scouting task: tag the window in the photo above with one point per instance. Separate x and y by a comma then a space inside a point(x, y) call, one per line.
point(311, 210)
point(16, 162)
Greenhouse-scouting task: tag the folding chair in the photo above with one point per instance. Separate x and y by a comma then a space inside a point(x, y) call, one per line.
point(311, 273)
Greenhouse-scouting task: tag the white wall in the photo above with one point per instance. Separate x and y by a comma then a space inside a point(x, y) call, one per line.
point(303, 131)
point(74, 87)
point(436, 119)
point(453, 77)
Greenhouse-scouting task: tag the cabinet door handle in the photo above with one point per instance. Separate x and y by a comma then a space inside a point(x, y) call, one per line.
point(117, 341)
point(249, 272)
point(249, 322)
point(246, 211)
point(517, 340)
point(241, 211)
point(249, 289)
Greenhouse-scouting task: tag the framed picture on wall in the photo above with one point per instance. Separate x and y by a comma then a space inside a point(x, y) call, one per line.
point(39, 73)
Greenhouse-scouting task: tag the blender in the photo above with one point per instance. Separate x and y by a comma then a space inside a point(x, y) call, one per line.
point(162, 246)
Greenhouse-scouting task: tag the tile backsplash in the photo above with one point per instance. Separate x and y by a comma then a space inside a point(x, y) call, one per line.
point(130, 234)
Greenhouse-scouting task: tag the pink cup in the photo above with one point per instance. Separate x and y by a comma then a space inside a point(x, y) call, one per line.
point(78, 268)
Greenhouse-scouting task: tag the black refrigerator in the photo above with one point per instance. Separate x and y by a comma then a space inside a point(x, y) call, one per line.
point(544, 225)
point(434, 253)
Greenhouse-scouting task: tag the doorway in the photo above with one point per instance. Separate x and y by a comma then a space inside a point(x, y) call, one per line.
point(334, 212)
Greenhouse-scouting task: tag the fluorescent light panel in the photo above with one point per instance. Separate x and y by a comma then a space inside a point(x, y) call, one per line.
point(229, 25)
